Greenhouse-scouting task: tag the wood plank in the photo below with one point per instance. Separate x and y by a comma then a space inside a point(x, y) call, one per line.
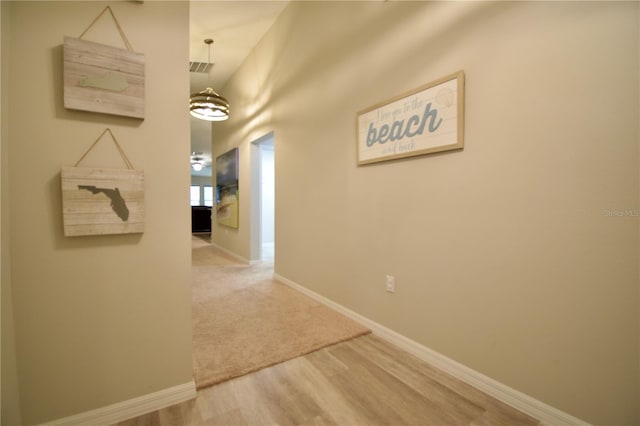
point(102, 55)
point(500, 412)
point(98, 201)
point(232, 417)
point(104, 79)
point(180, 414)
point(285, 402)
point(351, 383)
point(411, 375)
point(397, 397)
point(251, 401)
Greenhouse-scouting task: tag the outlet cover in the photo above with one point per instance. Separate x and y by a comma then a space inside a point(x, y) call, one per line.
point(391, 284)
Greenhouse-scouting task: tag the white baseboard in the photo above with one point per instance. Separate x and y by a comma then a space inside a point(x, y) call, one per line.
point(232, 254)
point(131, 408)
point(543, 412)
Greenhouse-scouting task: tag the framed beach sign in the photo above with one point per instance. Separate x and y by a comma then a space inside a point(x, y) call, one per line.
point(425, 120)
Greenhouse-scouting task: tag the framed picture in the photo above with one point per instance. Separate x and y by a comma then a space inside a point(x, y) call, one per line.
point(227, 196)
point(425, 120)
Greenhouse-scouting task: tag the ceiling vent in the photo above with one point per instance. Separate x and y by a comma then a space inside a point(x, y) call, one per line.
point(201, 67)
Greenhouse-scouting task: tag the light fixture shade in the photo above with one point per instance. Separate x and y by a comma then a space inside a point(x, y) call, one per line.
point(197, 166)
point(208, 105)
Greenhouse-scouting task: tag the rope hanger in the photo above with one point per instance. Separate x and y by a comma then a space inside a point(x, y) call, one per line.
point(120, 30)
point(127, 162)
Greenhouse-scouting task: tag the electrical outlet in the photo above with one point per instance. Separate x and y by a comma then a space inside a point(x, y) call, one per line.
point(391, 284)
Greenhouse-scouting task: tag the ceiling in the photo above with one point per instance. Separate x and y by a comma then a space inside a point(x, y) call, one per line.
point(235, 27)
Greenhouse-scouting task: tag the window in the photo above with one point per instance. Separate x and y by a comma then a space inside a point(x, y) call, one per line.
point(195, 195)
point(208, 195)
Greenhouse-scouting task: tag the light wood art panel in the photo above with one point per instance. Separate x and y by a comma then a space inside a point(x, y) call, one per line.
point(104, 79)
point(98, 201)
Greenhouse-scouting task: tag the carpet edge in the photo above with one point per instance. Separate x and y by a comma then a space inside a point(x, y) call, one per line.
point(214, 382)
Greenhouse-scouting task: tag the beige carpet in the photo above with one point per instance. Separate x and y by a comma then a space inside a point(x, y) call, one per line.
point(244, 321)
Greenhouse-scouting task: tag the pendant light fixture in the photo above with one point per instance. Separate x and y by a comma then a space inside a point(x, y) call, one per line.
point(209, 105)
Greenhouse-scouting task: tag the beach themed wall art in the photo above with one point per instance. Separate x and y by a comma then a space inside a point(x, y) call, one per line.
point(227, 195)
point(425, 120)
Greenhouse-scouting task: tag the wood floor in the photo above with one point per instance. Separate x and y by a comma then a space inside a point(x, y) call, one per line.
point(364, 381)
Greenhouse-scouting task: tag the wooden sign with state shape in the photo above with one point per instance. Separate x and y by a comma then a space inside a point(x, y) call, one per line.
point(97, 201)
point(104, 79)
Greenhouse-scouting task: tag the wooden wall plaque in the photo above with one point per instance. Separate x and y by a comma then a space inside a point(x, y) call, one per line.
point(423, 121)
point(104, 79)
point(97, 201)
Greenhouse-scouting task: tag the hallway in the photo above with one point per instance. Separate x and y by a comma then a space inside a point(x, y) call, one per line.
point(243, 320)
point(361, 381)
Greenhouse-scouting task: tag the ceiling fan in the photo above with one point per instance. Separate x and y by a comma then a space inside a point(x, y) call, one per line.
point(199, 161)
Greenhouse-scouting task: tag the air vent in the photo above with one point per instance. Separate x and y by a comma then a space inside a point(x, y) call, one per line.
point(201, 67)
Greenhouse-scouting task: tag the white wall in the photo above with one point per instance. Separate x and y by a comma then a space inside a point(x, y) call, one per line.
point(201, 180)
point(267, 199)
point(509, 256)
point(98, 320)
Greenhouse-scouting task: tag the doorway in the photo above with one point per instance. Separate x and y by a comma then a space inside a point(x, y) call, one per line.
point(263, 199)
